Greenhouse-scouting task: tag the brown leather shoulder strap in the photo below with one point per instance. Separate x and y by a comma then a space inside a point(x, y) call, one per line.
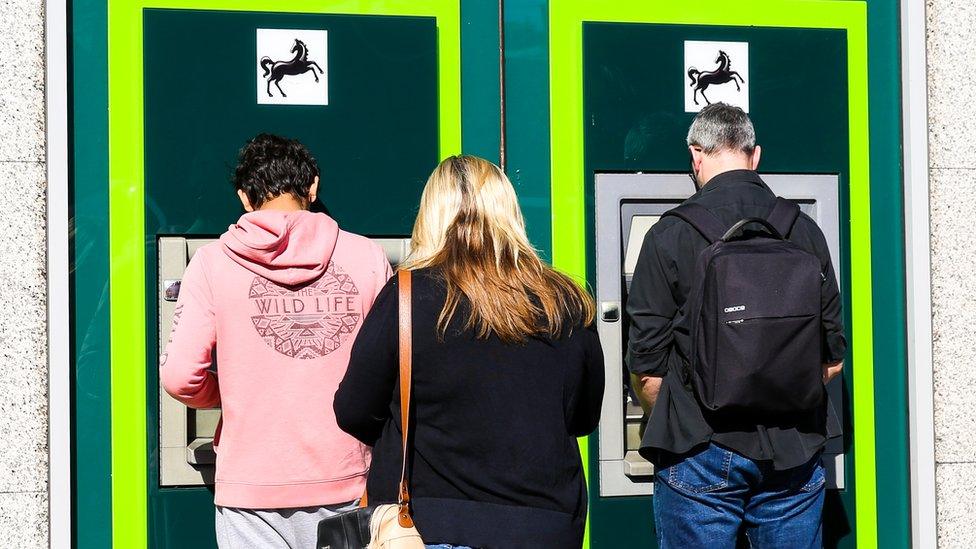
point(406, 356)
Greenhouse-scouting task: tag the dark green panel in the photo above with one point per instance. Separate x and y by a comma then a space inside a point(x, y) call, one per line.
point(634, 88)
point(634, 81)
point(887, 255)
point(376, 142)
point(527, 114)
point(480, 106)
point(91, 426)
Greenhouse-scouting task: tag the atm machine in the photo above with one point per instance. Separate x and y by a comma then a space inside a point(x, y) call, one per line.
point(186, 453)
point(375, 134)
point(636, 101)
point(626, 207)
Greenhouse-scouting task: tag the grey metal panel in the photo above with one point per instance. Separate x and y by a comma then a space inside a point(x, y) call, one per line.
point(622, 195)
point(611, 190)
point(397, 249)
point(176, 421)
point(614, 480)
point(186, 454)
point(819, 198)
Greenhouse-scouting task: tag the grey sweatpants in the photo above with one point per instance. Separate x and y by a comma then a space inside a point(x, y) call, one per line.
point(272, 528)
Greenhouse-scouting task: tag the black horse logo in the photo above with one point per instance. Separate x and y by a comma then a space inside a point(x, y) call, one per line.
point(722, 75)
point(274, 71)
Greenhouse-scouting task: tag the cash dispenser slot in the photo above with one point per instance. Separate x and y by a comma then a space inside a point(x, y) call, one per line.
point(626, 207)
point(186, 453)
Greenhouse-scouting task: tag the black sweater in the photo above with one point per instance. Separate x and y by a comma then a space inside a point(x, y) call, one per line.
point(495, 462)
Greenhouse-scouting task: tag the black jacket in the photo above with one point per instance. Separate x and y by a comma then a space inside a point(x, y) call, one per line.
point(495, 461)
point(655, 305)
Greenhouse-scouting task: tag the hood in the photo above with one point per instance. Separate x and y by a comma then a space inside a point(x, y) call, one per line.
point(287, 248)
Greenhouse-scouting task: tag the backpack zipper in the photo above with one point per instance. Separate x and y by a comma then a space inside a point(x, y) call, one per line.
point(750, 319)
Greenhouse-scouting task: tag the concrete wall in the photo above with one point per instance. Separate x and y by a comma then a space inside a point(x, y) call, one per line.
point(952, 172)
point(23, 341)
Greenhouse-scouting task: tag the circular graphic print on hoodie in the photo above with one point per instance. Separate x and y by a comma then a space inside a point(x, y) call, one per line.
point(310, 322)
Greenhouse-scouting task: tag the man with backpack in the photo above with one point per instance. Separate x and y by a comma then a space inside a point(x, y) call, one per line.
point(735, 329)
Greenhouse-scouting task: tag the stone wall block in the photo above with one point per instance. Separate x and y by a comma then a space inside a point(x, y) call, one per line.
point(952, 85)
point(22, 80)
point(23, 337)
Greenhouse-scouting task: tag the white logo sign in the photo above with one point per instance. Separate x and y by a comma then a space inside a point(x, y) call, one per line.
point(735, 309)
point(292, 67)
point(716, 72)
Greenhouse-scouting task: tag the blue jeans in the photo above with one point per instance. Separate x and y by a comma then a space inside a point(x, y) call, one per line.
point(708, 498)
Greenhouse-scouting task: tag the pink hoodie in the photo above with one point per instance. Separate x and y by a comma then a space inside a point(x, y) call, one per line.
point(280, 298)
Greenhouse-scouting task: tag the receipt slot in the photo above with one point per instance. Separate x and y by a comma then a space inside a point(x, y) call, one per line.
point(186, 452)
point(627, 206)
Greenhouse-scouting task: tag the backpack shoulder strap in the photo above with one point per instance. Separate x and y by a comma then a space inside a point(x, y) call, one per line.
point(699, 217)
point(784, 215)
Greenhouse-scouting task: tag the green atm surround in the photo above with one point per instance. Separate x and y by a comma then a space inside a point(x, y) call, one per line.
point(615, 96)
point(544, 117)
point(152, 156)
point(641, 134)
point(375, 143)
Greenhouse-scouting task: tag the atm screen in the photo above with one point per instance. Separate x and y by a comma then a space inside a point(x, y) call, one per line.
point(639, 225)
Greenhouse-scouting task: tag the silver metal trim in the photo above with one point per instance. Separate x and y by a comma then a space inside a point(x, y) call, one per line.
point(918, 275)
point(670, 190)
point(397, 249)
point(58, 297)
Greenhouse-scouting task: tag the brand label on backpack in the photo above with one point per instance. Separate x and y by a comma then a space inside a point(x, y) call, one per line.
point(735, 309)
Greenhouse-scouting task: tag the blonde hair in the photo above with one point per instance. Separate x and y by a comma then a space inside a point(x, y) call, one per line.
point(470, 228)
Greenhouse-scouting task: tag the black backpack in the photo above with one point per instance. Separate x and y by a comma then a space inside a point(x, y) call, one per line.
point(754, 315)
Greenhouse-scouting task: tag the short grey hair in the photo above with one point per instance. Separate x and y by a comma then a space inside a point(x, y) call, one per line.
point(721, 127)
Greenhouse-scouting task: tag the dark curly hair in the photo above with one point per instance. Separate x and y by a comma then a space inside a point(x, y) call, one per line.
point(269, 166)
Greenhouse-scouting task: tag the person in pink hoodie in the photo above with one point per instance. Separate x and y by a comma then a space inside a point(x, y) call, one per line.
point(279, 299)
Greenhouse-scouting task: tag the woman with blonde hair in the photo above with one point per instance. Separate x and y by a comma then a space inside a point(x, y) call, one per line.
point(507, 372)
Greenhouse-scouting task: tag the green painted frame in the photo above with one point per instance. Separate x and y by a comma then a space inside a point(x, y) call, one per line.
point(566, 19)
point(126, 221)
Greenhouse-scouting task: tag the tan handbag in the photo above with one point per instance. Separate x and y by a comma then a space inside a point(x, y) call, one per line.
point(388, 526)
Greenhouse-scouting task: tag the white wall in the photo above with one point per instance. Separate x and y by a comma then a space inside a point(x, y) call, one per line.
point(23, 359)
point(952, 173)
